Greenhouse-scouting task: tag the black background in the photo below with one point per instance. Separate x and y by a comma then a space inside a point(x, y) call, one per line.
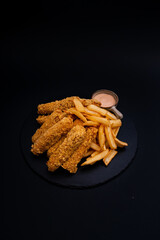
point(51, 51)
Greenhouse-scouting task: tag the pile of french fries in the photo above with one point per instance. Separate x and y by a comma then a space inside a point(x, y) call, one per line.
point(107, 143)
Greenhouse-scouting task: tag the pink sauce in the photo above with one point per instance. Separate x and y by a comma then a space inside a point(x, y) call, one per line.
point(106, 100)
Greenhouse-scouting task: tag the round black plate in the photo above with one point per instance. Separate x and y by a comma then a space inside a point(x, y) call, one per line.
point(87, 176)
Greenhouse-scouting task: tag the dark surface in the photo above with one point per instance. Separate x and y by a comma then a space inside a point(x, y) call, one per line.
point(50, 52)
point(89, 176)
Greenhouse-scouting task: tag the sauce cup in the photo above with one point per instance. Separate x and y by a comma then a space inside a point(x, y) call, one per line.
point(106, 96)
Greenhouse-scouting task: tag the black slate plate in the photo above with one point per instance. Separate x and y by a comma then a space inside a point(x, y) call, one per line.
point(87, 176)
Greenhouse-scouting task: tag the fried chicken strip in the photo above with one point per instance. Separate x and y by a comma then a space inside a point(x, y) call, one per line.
point(42, 118)
point(52, 135)
point(64, 104)
point(74, 138)
point(78, 122)
point(50, 121)
point(87, 102)
point(55, 146)
point(72, 162)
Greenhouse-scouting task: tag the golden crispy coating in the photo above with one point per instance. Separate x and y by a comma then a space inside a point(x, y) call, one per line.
point(72, 162)
point(87, 102)
point(74, 138)
point(64, 104)
point(52, 135)
point(77, 122)
point(55, 146)
point(51, 120)
point(55, 117)
point(42, 118)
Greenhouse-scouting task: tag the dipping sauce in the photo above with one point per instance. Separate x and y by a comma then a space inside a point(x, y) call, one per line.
point(105, 99)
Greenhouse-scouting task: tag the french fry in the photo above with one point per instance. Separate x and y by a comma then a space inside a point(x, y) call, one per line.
point(107, 159)
point(97, 109)
point(77, 113)
point(116, 123)
point(95, 146)
point(120, 143)
point(94, 153)
point(102, 111)
point(115, 131)
point(106, 144)
point(78, 105)
point(99, 120)
point(110, 138)
point(110, 115)
point(104, 147)
point(88, 153)
point(89, 112)
point(98, 157)
point(101, 136)
point(91, 123)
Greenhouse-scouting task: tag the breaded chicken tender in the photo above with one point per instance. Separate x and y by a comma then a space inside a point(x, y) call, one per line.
point(78, 122)
point(42, 118)
point(52, 135)
point(55, 146)
point(50, 121)
point(64, 104)
point(87, 102)
point(70, 144)
point(72, 162)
